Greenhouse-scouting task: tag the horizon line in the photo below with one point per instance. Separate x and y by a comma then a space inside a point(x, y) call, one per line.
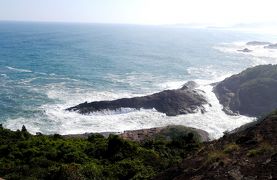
point(86, 22)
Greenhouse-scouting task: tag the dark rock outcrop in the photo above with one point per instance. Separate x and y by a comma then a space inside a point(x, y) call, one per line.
point(249, 153)
point(251, 92)
point(271, 46)
point(167, 132)
point(245, 50)
point(258, 43)
point(171, 102)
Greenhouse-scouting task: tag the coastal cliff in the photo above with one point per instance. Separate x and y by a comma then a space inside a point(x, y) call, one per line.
point(251, 92)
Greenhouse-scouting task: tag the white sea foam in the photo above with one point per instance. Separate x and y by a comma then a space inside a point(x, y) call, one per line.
point(56, 120)
point(172, 84)
point(4, 75)
point(259, 54)
point(208, 72)
point(18, 70)
point(72, 97)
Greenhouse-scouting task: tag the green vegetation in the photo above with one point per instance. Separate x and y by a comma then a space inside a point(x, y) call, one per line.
point(25, 156)
point(230, 148)
point(215, 156)
point(174, 132)
point(262, 149)
point(221, 155)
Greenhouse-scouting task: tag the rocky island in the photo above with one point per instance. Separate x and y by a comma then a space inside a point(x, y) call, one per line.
point(251, 92)
point(246, 50)
point(171, 102)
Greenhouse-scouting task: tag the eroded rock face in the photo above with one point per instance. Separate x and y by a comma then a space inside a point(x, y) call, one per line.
point(251, 92)
point(171, 102)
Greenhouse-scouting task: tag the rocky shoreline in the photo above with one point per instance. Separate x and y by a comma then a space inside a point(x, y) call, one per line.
point(170, 102)
point(250, 93)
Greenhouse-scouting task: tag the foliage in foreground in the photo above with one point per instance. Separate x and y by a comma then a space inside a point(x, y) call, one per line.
point(25, 156)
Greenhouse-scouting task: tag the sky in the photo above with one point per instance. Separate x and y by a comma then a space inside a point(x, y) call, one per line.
point(207, 12)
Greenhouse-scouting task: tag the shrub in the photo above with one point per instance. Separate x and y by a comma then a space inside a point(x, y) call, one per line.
point(229, 148)
point(92, 170)
point(262, 149)
point(215, 156)
point(24, 156)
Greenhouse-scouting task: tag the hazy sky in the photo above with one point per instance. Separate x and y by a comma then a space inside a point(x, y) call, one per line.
point(213, 12)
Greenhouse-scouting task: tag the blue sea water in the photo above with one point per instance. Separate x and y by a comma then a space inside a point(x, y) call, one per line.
point(47, 67)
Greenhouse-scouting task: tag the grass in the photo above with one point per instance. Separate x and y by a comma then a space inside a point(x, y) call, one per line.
point(261, 150)
point(216, 156)
point(230, 148)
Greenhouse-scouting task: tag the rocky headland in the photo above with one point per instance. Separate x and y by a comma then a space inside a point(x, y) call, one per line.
point(171, 102)
point(251, 92)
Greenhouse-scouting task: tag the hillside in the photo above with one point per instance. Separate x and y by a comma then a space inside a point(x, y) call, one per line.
point(25, 156)
point(248, 153)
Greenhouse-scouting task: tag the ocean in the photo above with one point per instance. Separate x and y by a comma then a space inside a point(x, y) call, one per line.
point(48, 67)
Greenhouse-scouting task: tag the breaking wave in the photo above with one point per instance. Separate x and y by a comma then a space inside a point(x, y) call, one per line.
point(258, 55)
point(54, 119)
point(18, 70)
